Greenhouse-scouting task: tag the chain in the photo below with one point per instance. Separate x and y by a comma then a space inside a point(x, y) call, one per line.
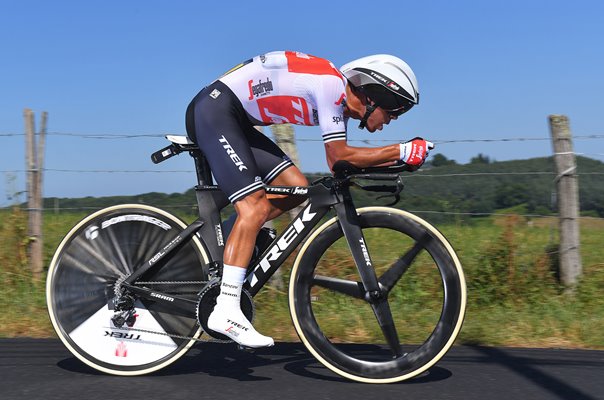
point(174, 335)
point(172, 283)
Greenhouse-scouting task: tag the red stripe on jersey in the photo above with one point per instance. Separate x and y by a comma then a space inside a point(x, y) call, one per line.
point(284, 109)
point(306, 64)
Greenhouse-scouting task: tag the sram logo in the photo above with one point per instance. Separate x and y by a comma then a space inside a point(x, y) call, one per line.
point(161, 296)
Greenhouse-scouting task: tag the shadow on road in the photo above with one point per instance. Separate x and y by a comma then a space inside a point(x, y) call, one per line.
point(529, 369)
point(225, 360)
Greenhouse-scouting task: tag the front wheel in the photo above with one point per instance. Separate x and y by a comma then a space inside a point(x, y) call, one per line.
point(84, 276)
point(423, 293)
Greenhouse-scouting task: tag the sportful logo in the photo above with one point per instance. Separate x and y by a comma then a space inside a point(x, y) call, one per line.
point(300, 190)
point(282, 244)
point(234, 157)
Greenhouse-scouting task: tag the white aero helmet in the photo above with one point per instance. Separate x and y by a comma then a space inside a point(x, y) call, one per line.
point(385, 79)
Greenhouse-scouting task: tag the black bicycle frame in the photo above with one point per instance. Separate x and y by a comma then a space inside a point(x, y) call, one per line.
point(324, 195)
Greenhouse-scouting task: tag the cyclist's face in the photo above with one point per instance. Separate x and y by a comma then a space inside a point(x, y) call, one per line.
point(378, 118)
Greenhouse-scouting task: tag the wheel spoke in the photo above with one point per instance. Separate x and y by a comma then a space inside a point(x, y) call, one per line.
point(349, 288)
point(400, 266)
point(384, 317)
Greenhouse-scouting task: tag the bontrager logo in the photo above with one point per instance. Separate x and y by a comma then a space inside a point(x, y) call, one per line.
point(234, 157)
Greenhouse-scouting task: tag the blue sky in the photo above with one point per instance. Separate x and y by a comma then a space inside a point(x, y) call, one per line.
point(486, 69)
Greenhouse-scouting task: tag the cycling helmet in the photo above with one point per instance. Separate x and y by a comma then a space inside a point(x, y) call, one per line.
point(386, 80)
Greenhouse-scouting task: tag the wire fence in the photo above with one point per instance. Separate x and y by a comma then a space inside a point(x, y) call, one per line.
point(369, 142)
point(419, 175)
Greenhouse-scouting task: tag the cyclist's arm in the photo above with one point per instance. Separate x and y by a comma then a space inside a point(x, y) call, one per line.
point(361, 156)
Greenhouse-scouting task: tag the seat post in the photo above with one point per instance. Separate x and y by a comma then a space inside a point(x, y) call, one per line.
point(202, 168)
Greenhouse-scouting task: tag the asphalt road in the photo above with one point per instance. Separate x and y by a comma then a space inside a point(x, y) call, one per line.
point(43, 369)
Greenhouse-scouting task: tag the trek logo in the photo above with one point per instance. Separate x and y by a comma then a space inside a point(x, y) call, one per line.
point(236, 160)
point(341, 99)
point(338, 119)
point(283, 243)
point(122, 335)
point(365, 252)
point(219, 237)
point(161, 296)
point(379, 77)
point(236, 325)
point(394, 86)
point(261, 89)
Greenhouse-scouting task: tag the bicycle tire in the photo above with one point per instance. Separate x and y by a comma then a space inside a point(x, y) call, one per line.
point(99, 250)
point(331, 324)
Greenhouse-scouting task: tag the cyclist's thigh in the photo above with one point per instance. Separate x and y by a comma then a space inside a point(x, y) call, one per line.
point(219, 129)
point(271, 160)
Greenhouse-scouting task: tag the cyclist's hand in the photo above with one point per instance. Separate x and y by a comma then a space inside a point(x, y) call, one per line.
point(415, 151)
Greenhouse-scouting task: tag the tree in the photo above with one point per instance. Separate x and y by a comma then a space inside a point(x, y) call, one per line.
point(509, 195)
point(480, 159)
point(439, 160)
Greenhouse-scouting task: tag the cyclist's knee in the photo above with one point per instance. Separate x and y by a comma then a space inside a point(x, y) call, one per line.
point(290, 177)
point(253, 210)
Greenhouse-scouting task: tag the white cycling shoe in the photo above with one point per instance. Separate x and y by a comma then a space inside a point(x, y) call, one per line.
point(232, 323)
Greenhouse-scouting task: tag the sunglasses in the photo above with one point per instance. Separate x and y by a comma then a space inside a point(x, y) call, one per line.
point(397, 112)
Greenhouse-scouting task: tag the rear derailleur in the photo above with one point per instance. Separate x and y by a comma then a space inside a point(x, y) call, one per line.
point(125, 313)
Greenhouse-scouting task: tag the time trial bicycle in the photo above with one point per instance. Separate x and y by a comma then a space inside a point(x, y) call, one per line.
point(130, 287)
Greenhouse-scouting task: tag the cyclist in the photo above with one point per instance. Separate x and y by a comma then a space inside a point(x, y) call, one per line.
point(289, 87)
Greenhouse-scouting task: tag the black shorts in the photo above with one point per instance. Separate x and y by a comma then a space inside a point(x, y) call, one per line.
point(242, 159)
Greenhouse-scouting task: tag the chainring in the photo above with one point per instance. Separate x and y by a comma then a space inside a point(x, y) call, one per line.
point(207, 301)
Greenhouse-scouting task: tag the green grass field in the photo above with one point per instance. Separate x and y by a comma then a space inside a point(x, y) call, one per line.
point(513, 296)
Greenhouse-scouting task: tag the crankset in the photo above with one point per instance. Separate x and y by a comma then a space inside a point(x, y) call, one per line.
point(207, 301)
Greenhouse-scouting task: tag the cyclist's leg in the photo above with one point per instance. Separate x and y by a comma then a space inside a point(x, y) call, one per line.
point(277, 169)
point(279, 203)
point(219, 123)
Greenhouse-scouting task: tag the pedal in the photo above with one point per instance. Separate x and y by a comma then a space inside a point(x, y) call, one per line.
point(246, 348)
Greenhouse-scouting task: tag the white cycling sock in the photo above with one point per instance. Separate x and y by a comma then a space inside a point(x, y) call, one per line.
point(227, 317)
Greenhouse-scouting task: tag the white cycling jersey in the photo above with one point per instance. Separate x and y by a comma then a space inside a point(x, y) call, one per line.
point(291, 87)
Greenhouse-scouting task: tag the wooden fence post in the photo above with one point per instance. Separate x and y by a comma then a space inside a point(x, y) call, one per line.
point(567, 188)
point(34, 164)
